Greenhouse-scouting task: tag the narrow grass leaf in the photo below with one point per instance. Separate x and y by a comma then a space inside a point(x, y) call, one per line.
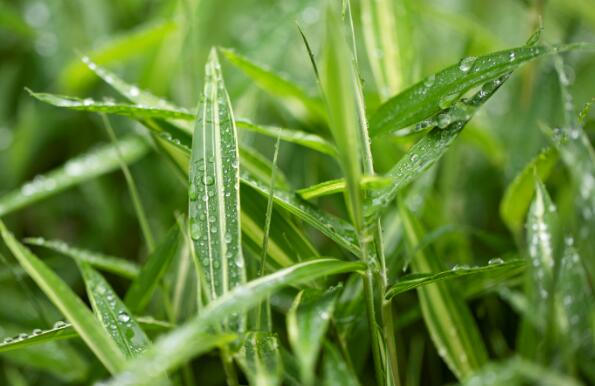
point(295, 98)
point(89, 328)
point(427, 97)
point(115, 265)
point(116, 319)
point(189, 339)
point(518, 195)
point(338, 186)
point(214, 202)
point(335, 370)
point(260, 359)
point(143, 286)
point(85, 167)
point(307, 322)
point(450, 323)
point(496, 266)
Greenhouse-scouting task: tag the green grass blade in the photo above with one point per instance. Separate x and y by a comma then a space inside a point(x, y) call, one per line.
point(518, 195)
point(260, 359)
point(335, 371)
point(496, 267)
point(116, 319)
point(143, 286)
point(294, 97)
point(380, 36)
point(77, 170)
point(187, 341)
point(338, 186)
point(307, 322)
point(69, 304)
point(214, 209)
point(427, 97)
point(428, 150)
point(116, 265)
point(450, 323)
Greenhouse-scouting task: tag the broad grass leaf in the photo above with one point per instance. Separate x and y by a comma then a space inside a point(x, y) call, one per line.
point(85, 167)
point(89, 328)
point(260, 359)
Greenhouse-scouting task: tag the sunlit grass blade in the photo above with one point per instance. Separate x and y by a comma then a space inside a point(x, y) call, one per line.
point(518, 195)
point(498, 266)
point(214, 208)
point(307, 322)
point(427, 97)
point(450, 323)
point(429, 149)
point(116, 265)
point(382, 45)
point(143, 286)
point(260, 359)
point(309, 140)
point(335, 371)
point(338, 186)
point(186, 341)
point(77, 170)
point(116, 319)
point(294, 97)
point(89, 328)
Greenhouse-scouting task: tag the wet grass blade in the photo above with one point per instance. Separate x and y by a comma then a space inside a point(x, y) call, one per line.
point(77, 170)
point(307, 322)
point(214, 202)
point(187, 341)
point(143, 286)
point(89, 328)
point(338, 186)
point(427, 97)
point(496, 267)
point(518, 195)
point(260, 359)
point(116, 319)
point(115, 265)
point(450, 323)
point(295, 98)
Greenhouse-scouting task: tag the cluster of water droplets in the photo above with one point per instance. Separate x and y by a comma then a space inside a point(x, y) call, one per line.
point(35, 333)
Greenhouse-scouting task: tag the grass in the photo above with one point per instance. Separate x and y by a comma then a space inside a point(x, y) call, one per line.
point(391, 193)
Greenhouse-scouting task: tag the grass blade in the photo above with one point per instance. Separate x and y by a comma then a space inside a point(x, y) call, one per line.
point(260, 359)
point(307, 322)
point(116, 265)
point(334, 369)
point(89, 329)
point(497, 266)
point(79, 169)
point(141, 290)
point(450, 323)
point(186, 341)
point(214, 208)
point(338, 186)
point(116, 319)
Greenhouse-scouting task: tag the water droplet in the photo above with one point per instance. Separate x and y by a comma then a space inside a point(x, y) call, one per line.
point(209, 180)
point(195, 231)
point(444, 120)
point(123, 317)
point(429, 82)
point(134, 91)
point(511, 56)
point(59, 324)
point(467, 63)
point(192, 192)
point(37, 331)
point(495, 261)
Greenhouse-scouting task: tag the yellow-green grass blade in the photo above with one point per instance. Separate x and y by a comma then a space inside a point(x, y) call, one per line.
point(307, 322)
point(214, 189)
point(338, 186)
point(260, 359)
point(189, 339)
point(448, 319)
point(77, 170)
point(89, 328)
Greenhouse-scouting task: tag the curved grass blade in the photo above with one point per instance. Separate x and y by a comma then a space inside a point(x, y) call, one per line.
point(338, 186)
point(427, 97)
point(295, 99)
point(334, 369)
point(428, 150)
point(79, 169)
point(497, 266)
point(307, 322)
point(309, 140)
point(116, 265)
point(214, 202)
point(184, 342)
point(518, 195)
point(260, 359)
point(113, 314)
point(143, 286)
point(89, 329)
point(450, 323)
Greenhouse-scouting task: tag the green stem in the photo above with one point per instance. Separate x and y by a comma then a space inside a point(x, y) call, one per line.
point(231, 375)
